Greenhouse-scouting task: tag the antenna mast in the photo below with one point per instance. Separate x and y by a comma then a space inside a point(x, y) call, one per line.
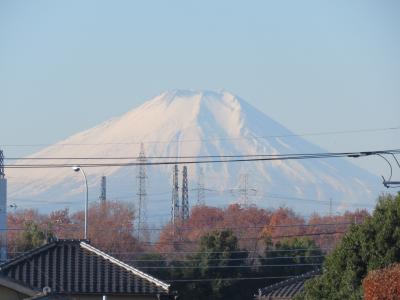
point(103, 190)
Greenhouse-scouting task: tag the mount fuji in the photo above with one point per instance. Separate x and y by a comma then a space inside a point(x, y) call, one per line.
point(194, 123)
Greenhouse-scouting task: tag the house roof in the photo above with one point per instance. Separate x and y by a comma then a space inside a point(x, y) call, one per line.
point(74, 266)
point(286, 289)
point(42, 296)
point(16, 286)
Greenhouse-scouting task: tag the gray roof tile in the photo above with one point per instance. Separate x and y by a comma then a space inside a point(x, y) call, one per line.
point(73, 266)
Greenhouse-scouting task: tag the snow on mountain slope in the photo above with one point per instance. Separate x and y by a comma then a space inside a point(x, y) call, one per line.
point(191, 123)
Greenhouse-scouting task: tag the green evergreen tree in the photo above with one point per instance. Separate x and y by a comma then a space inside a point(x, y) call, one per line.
point(152, 263)
point(216, 260)
point(300, 254)
point(368, 246)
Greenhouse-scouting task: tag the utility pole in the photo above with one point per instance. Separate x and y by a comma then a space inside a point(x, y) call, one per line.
point(185, 195)
point(141, 193)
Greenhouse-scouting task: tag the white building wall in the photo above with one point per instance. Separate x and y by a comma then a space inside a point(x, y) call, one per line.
point(3, 219)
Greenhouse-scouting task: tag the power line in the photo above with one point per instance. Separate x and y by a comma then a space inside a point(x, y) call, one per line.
point(193, 242)
point(231, 279)
point(325, 202)
point(244, 159)
point(228, 267)
point(255, 238)
point(359, 153)
point(224, 259)
point(213, 139)
point(225, 227)
point(221, 252)
point(185, 242)
point(208, 252)
point(266, 197)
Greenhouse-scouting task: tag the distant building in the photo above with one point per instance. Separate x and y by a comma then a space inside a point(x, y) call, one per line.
point(75, 270)
point(287, 289)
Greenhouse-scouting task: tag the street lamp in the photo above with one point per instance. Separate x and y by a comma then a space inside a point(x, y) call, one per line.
point(77, 169)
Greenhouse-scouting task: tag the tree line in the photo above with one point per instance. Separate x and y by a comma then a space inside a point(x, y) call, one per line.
point(225, 252)
point(365, 264)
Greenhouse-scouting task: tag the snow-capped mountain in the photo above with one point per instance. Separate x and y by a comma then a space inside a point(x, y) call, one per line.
point(193, 123)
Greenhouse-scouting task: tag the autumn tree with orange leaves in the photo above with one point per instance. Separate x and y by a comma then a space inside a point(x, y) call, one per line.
point(246, 223)
point(274, 242)
point(251, 225)
point(110, 227)
point(26, 230)
point(383, 284)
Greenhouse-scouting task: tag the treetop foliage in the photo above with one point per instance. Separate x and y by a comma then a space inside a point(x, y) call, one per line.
point(382, 284)
point(228, 253)
point(368, 246)
point(110, 227)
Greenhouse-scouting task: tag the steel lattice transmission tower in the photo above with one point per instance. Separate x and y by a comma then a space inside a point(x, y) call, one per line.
point(175, 216)
point(103, 189)
point(185, 195)
point(200, 189)
point(141, 193)
point(244, 190)
point(2, 174)
point(3, 210)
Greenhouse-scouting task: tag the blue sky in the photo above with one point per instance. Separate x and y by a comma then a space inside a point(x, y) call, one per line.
point(314, 66)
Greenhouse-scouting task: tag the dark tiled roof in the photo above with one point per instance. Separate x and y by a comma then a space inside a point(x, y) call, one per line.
point(286, 289)
point(73, 266)
point(16, 286)
point(49, 297)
